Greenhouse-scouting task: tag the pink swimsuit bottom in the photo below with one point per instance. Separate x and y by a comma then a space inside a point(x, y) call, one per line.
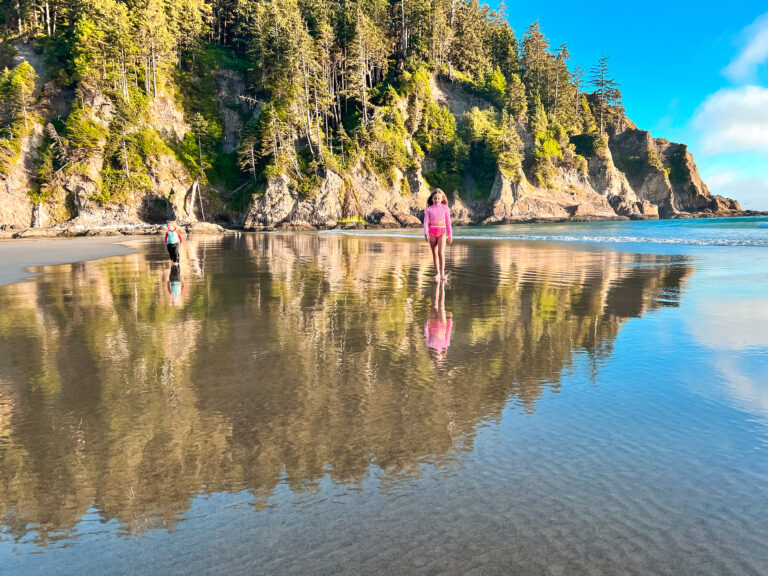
point(437, 229)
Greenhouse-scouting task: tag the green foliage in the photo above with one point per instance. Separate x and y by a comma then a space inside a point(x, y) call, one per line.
point(633, 166)
point(653, 158)
point(218, 57)
point(482, 132)
point(384, 143)
point(7, 55)
point(438, 127)
point(336, 85)
point(517, 101)
point(580, 163)
point(117, 187)
point(41, 192)
point(416, 83)
point(678, 167)
point(471, 47)
point(587, 145)
point(548, 145)
point(496, 88)
point(405, 187)
point(547, 150)
point(447, 181)
point(16, 87)
point(537, 118)
point(10, 148)
point(512, 149)
point(83, 133)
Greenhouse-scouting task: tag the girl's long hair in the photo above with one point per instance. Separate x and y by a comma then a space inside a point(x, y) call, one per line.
point(431, 199)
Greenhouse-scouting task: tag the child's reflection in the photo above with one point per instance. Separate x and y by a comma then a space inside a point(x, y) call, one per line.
point(176, 286)
point(437, 330)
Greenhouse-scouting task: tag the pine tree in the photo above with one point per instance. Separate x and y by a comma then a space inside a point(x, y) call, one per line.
point(535, 64)
point(606, 91)
point(469, 50)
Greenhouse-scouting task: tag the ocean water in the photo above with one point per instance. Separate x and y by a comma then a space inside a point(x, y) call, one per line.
point(752, 231)
point(575, 400)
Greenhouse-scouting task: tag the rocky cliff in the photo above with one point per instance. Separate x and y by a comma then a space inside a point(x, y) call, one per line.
point(627, 174)
point(101, 178)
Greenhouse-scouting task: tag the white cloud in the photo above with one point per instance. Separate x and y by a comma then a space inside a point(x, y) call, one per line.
point(751, 191)
point(731, 325)
point(755, 53)
point(734, 120)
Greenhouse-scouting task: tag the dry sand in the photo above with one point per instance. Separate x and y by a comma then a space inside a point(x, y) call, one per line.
point(17, 256)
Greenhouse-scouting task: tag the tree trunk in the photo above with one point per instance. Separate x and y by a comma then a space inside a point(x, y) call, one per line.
point(404, 37)
point(363, 70)
point(24, 108)
point(200, 153)
point(200, 199)
point(154, 72)
point(191, 212)
point(125, 159)
point(307, 106)
point(146, 75)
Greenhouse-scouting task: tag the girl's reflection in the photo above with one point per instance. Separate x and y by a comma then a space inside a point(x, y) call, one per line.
point(176, 286)
point(437, 330)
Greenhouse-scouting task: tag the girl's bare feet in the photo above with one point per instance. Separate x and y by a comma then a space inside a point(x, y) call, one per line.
point(443, 278)
point(437, 278)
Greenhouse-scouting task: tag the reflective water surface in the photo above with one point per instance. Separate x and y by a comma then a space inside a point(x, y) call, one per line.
point(316, 404)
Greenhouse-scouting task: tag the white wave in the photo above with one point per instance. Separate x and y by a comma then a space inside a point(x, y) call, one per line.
point(584, 239)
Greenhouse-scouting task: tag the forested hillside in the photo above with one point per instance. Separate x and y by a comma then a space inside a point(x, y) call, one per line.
point(314, 113)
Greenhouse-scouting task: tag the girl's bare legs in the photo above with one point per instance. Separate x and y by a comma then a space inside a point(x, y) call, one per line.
point(433, 243)
point(441, 256)
point(441, 300)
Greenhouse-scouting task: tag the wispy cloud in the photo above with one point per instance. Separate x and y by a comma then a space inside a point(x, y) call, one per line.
point(750, 190)
point(754, 53)
point(734, 120)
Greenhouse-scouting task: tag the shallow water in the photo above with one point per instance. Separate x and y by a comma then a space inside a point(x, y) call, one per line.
point(747, 231)
point(296, 404)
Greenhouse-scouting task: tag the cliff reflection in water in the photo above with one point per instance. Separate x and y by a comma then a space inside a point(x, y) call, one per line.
point(290, 358)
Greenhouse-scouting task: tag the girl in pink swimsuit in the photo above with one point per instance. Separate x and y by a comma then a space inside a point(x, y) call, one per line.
point(437, 330)
point(437, 229)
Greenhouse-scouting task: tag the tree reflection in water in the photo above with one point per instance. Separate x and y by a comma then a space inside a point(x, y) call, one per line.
point(291, 357)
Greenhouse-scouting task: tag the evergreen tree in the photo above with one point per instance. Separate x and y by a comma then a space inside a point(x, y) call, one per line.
point(535, 63)
point(470, 51)
point(606, 92)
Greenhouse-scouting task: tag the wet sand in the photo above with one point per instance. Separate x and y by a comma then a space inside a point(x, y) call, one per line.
point(316, 404)
point(18, 256)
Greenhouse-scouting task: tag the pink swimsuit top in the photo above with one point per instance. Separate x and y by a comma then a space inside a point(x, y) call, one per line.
point(437, 220)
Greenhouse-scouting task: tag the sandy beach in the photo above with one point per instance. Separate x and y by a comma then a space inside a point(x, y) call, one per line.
point(18, 256)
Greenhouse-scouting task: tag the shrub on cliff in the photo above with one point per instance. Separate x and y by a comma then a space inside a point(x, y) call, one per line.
point(16, 87)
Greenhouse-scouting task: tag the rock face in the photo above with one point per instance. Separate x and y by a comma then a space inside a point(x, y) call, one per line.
point(15, 206)
point(664, 174)
point(231, 86)
point(515, 199)
point(608, 181)
point(361, 197)
point(281, 205)
point(635, 176)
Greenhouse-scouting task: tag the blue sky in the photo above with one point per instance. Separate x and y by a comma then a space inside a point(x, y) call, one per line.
point(691, 72)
